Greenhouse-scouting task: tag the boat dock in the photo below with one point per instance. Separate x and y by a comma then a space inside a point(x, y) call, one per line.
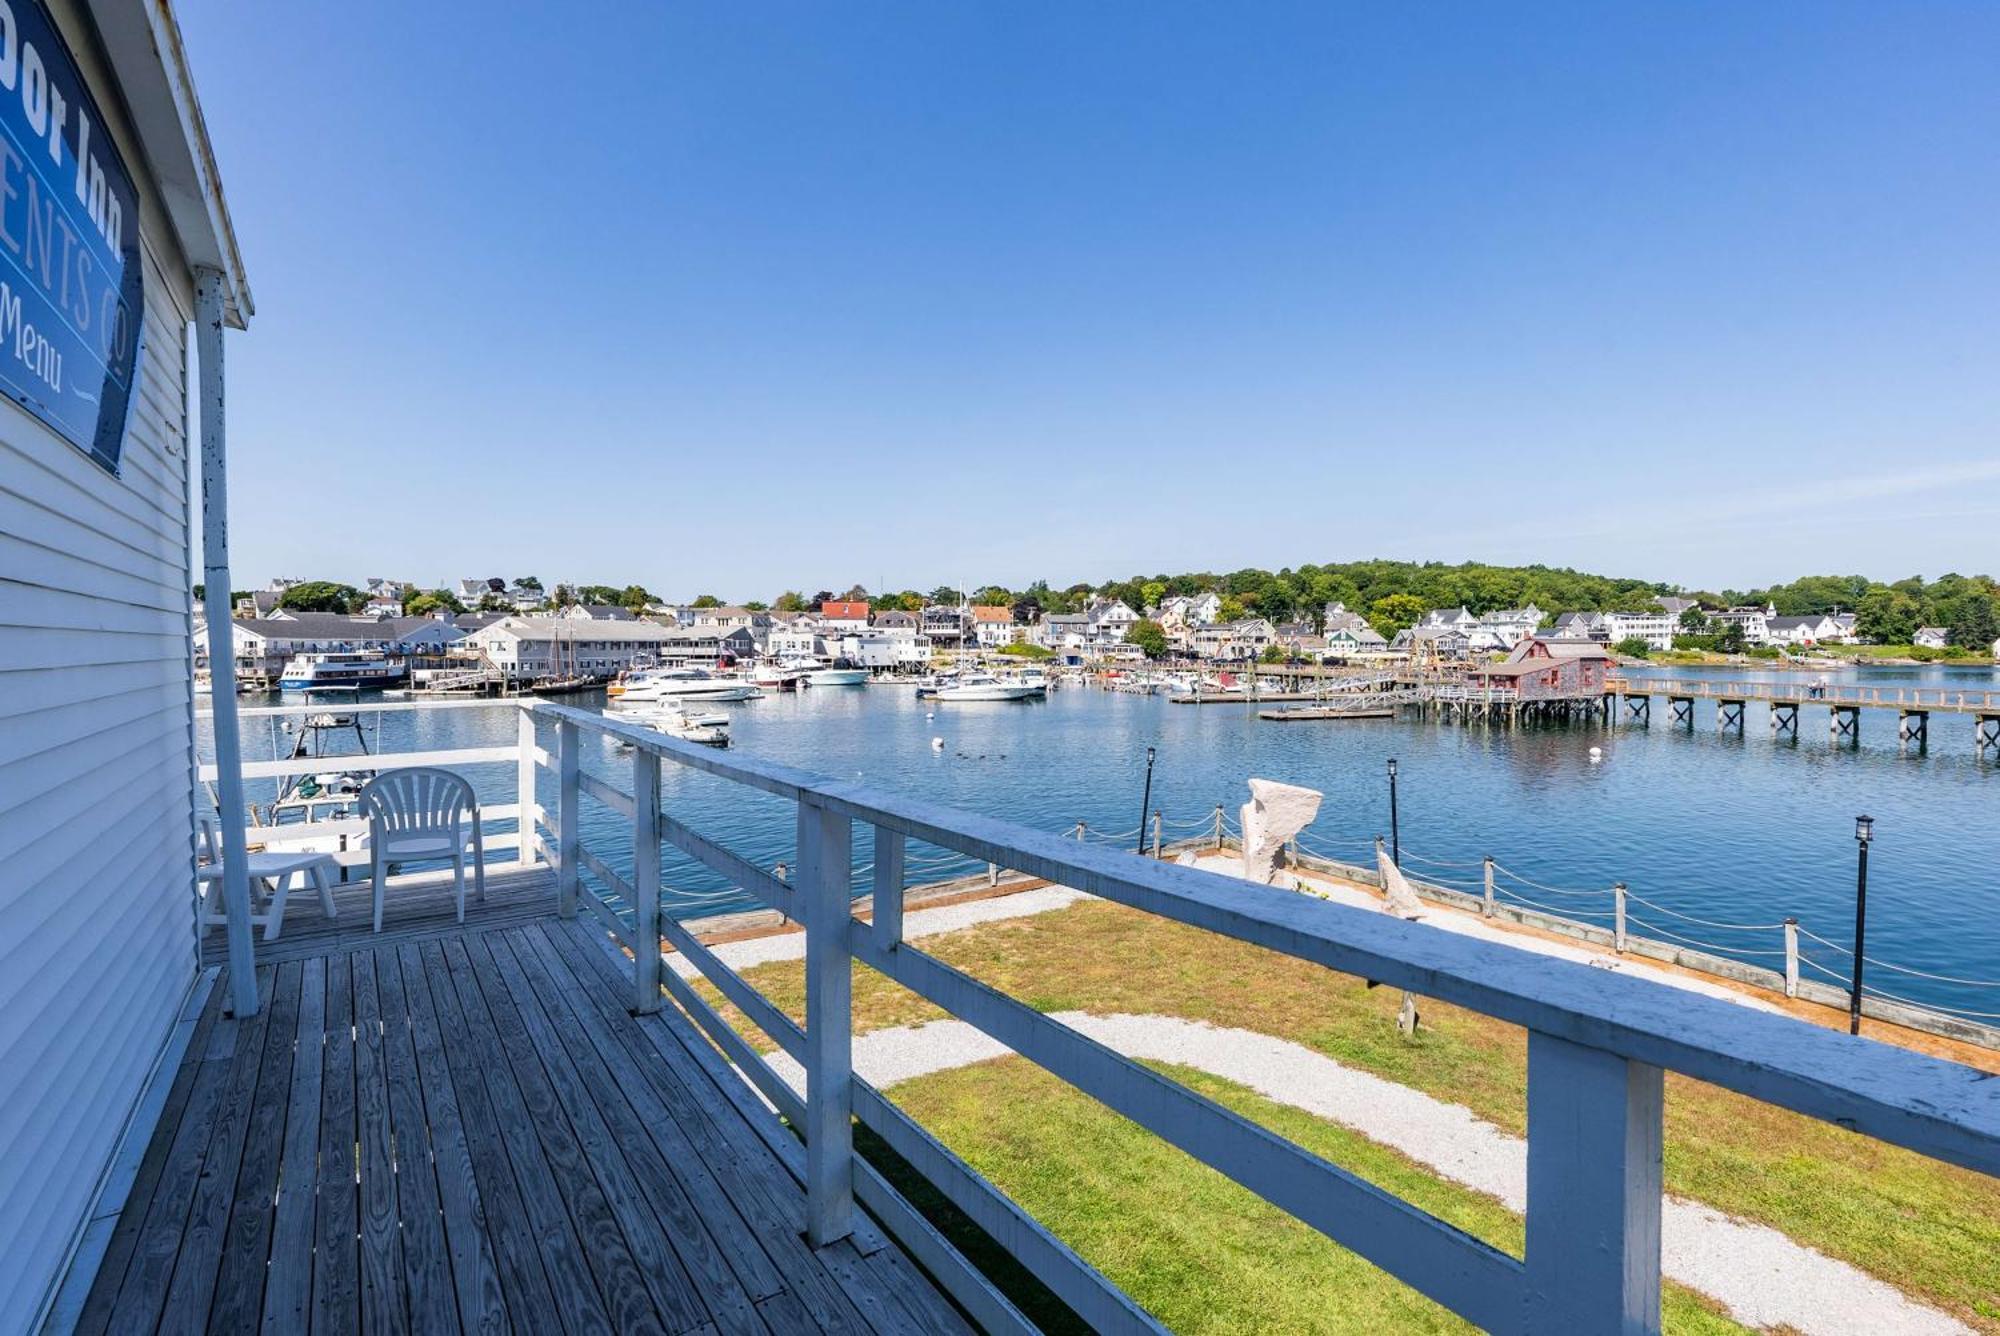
point(1843, 702)
point(1329, 712)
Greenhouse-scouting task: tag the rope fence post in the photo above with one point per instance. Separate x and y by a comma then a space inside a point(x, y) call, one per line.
point(1618, 917)
point(1487, 909)
point(1156, 832)
point(1791, 957)
point(992, 874)
point(1079, 830)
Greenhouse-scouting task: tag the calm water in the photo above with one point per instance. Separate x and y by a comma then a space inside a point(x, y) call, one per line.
point(1727, 829)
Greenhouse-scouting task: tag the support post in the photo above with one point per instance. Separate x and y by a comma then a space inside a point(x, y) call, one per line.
point(1488, 907)
point(1618, 917)
point(569, 836)
point(645, 882)
point(1156, 832)
point(824, 843)
point(992, 874)
point(1218, 825)
point(524, 784)
point(1594, 1155)
point(1791, 957)
point(888, 925)
point(209, 317)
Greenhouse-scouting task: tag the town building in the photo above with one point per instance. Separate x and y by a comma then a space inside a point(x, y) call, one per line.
point(993, 625)
point(1655, 627)
point(1234, 642)
point(947, 626)
point(598, 612)
point(1546, 669)
point(1755, 622)
point(841, 617)
point(1931, 637)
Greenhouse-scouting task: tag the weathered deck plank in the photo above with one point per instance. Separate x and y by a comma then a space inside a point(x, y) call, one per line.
point(469, 1129)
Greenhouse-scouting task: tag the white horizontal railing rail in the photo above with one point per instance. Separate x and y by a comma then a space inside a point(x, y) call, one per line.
point(1598, 1046)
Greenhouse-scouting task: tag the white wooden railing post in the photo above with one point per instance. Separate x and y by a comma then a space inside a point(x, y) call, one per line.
point(1487, 909)
point(1594, 1143)
point(568, 833)
point(1218, 825)
point(1156, 833)
point(1791, 957)
point(1618, 917)
point(524, 784)
point(888, 925)
point(645, 882)
point(825, 839)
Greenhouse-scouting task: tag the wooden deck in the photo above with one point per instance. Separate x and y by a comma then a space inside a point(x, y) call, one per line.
point(442, 1129)
point(419, 906)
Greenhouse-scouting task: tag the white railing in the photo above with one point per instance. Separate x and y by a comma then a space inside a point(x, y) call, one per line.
point(1956, 700)
point(1598, 1046)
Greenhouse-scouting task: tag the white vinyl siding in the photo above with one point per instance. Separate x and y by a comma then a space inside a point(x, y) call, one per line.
point(96, 756)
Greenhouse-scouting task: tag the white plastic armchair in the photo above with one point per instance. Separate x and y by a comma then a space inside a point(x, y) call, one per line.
point(422, 813)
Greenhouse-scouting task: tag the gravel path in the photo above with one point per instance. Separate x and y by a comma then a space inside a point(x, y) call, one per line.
point(918, 923)
point(1760, 1276)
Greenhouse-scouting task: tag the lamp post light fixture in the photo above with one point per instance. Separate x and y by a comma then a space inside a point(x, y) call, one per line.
point(1864, 835)
point(1395, 835)
point(1146, 802)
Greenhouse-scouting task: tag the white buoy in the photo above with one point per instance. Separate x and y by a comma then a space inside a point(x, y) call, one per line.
point(1596, 755)
point(930, 714)
point(937, 744)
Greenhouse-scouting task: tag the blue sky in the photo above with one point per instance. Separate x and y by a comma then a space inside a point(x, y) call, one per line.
point(735, 298)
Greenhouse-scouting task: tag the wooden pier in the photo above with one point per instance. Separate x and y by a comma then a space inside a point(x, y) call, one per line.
point(1843, 703)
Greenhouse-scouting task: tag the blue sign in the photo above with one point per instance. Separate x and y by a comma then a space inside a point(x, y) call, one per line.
point(71, 301)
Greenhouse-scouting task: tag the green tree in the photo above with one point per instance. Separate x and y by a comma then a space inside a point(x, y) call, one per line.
point(1395, 612)
point(1152, 592)
point(1731, 639)
point(706, 601)
point(431, 600)
point(1149, 636)
point(790, 601)
point(756, 605)
point(1887, 616)
point(1272, 654)
point(321, 596)
point(1232, 610)
point(1974, 625)
point(530, 583)
point(1633, 647)
point(634, 597)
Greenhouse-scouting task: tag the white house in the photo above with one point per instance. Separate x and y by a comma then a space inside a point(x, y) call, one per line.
point(1932, 637)
point(1110, 619)
point(1510, 626)
point(1756, 622)
point(993, 625)
point(794, 637)
point(844, 616)
point(1813, 629)
point(1654, 626)
point(1234, 641)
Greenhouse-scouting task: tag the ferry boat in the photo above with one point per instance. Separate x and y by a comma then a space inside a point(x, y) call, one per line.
point(342, 671)
point(661, 684)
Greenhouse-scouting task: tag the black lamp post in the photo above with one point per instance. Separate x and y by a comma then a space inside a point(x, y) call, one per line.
point(1146, 803)
point(1864, 835)
point(1395, 835)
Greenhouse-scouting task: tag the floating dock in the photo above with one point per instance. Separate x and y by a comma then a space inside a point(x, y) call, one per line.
point(1330, 712)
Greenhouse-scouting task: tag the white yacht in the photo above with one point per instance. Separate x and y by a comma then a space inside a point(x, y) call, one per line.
point(836, 676)
point(661, 684)
point(985, 686)
point(342, 671)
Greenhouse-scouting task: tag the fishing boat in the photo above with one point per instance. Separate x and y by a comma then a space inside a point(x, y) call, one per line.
point(985, 686)
point(343, 670)
point(663, 684)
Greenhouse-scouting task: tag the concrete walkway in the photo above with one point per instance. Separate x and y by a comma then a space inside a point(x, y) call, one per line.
point(1759, 1275)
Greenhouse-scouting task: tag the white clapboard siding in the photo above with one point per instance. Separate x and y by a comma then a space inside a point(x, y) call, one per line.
point(96, 763)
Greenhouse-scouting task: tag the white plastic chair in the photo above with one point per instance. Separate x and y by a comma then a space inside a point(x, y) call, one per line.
point(421, 813)
point(271, 874)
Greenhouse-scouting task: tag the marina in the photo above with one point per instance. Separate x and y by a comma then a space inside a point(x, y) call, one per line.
point(1677, 816)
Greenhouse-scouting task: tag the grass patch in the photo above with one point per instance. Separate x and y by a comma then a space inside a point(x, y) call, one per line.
point(1928, 1228)
point(1193, 1248)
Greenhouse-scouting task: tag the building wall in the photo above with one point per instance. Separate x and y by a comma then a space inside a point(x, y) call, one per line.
point(96, 780)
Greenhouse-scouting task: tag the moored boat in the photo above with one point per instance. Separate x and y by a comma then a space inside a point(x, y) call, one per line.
point(343, 670)
point(985, 686)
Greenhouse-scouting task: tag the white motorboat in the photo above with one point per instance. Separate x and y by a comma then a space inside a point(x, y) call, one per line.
point(708, 727)
point(662, 684)
point(985, 686)
point(772, 676)
point(837, 677)
point(1029, 677)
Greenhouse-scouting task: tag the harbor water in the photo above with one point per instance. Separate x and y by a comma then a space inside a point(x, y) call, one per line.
point(1718, 837)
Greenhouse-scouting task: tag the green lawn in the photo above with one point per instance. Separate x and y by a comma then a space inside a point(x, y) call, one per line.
point(1927, 1228)
point(1196, 1250)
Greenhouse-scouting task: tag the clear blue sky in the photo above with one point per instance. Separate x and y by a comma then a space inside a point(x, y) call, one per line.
point(732, 298)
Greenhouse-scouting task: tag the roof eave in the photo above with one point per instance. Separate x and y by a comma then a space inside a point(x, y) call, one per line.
point(142, 41)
